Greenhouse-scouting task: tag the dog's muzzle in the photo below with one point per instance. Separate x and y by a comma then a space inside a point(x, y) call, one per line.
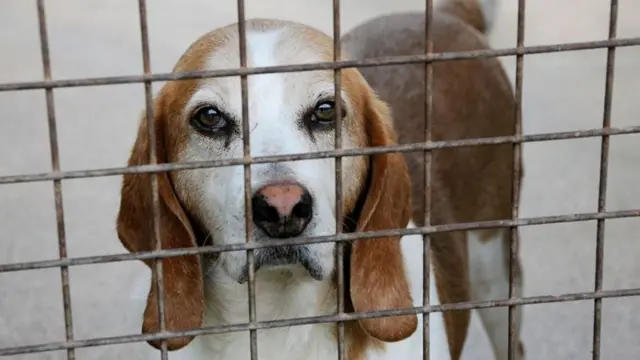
point(284, 256)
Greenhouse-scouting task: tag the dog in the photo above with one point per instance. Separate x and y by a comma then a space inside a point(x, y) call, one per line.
point(290, 113)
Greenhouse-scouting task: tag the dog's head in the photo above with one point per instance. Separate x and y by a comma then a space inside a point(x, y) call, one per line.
point(289, 113)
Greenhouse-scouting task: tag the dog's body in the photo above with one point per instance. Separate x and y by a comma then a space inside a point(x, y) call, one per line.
point(199, 120)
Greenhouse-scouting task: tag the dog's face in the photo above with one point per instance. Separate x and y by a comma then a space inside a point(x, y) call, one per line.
point(289, 113)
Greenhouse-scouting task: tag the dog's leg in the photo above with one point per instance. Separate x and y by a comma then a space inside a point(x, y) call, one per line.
point(489, 278)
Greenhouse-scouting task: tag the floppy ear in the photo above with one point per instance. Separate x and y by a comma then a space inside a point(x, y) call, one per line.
point(182, 275)
point(378, 280)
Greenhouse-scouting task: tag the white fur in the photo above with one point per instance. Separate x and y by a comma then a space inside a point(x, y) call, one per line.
point(282, 297)
point(489, 279)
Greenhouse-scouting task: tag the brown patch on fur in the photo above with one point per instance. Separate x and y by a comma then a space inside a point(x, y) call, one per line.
point(377, 278)
point(360, 342)
point(183, 287)
point(469, 11)
point(448, 253)
point(357, 341)
point(377, 275)
point(471, 99)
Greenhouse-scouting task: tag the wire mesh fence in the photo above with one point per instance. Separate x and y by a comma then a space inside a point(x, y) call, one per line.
point(428, 59)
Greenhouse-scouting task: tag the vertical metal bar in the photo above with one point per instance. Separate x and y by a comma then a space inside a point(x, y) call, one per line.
point(515, 189)
point(253, 337)
point(338, 176)
point(604, 169)
point(153, 159)
point(426, 257)
point(57, 185)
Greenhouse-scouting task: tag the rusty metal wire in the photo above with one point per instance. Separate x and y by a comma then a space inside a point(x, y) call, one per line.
point(57, 185)
point(494, 224)
point(246, 148)
point(75, 174)
point(428, 58)
point(533, 300)
point(328, 65)
point(426, 239)
point(158, 274)
point(602, 188)
point(515, 188)
point(339, 253)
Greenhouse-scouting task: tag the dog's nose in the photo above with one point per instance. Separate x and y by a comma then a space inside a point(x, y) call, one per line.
point(282, 209)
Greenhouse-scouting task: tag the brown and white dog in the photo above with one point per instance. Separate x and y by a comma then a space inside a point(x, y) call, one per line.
point(200, 120)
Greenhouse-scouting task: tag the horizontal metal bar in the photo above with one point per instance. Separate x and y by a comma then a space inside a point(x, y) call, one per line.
point(319, 239)
point(76, 174)
point(329, 65)
point(318, 320)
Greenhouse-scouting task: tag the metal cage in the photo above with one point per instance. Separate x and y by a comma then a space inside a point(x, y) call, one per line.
point(428, 58)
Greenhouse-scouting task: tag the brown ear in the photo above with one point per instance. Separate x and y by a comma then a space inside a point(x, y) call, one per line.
point(182, 275)
point(378, 280)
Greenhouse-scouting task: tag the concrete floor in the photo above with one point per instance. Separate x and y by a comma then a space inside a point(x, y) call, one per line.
point(562, 92)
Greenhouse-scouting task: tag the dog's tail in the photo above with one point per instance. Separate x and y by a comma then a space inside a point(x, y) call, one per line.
point(478, 13)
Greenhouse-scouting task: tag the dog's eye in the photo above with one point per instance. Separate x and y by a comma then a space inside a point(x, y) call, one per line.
point(209, 119)
point(324, 112)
